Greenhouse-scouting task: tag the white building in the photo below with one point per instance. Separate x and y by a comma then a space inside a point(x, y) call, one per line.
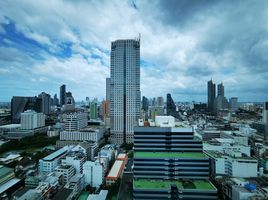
point(85, 135)
point(165, 121)
point(75, 121)
point(31, 120)
point(90, 149)
point(223, 146)
point(93, 173)
point(76, 160)
point(50, 162)
point(242, 167)
point(125, 89)
point(67, 171)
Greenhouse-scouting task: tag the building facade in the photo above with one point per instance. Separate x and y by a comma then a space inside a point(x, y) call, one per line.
point(125, 89)
point(169, 164)
point(211, 95)
point(32, 120)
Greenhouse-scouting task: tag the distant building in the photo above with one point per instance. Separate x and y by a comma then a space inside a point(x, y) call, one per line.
point(211, 95)
point(160, 101)
point(55, 100)
point(46, 103)
point(220, 102)
point(125, 89)
point(233, 103)
point(69, 102)
point(94, 109)
point(62, 95)
point(108, 89)
point(75, 121)
point(171, 107)
point(145, 104)
point(21, 104)
point(265, 113)
point(32, 120)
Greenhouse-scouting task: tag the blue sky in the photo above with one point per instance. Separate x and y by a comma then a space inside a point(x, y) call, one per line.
point(44, 44)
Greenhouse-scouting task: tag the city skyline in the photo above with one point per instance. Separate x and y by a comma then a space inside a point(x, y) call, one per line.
point(43, 46)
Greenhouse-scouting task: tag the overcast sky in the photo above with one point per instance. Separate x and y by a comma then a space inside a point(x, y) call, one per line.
point(44, 44)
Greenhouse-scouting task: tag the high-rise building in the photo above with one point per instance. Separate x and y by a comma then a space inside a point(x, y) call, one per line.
point(46, 103)
point(211, 95)
point(171, 107)
point(233, 103)
point(21, 104)
point(31, 120)
point(62, 95)
point(75, 121)
point(69, 102)
point(265, 113)
point(145, 104)
point(220, 102)
point(108, 89)
point(55, 100)
point(94, 109)
point(160, 101)
point(169, 163)
point(125, 89)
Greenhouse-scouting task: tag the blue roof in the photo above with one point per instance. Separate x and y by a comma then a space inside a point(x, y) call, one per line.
point(55, 154)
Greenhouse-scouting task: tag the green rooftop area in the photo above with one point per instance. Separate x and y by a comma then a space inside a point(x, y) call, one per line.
point(164, 184)
point(169, 155)
point(83, 196)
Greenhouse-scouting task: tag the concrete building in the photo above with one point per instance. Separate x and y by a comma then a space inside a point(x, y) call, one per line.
point(75, 121)
point(160, 101)
point(46, 103)
point(75, 159)
point(233, 165)
point(32, 120)
point(50, 162)
point(220, 101)
point(93, 173)
point(125, 89)
point(82, 135)
point(211, 95)
point(62, 95)
point(169, 164)
point(265, 113)
point(21, 104)
point(94, 109)
point(233, 103)
point(67, 171)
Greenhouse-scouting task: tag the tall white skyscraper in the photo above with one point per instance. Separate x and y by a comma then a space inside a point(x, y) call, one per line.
point(125, 89)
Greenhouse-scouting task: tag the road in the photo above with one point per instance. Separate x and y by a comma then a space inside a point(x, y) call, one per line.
point(125, 190)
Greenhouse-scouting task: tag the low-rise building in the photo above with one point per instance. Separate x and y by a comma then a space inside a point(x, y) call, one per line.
point(50, 162)
point(67, 171)
point(242, 166)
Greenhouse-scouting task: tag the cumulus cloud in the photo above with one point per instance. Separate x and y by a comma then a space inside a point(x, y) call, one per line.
point(183, 45)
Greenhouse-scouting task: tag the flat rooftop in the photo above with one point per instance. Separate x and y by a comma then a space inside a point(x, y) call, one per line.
point(169, 155)
point(55, 154)
point(115, 171)
point(162, 184)
point(10, 126)
point(122, 156)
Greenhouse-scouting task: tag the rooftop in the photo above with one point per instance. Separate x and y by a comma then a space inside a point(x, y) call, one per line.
point(55, 154)
point(169, 155)
point(162, 184)
point(115, 171)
